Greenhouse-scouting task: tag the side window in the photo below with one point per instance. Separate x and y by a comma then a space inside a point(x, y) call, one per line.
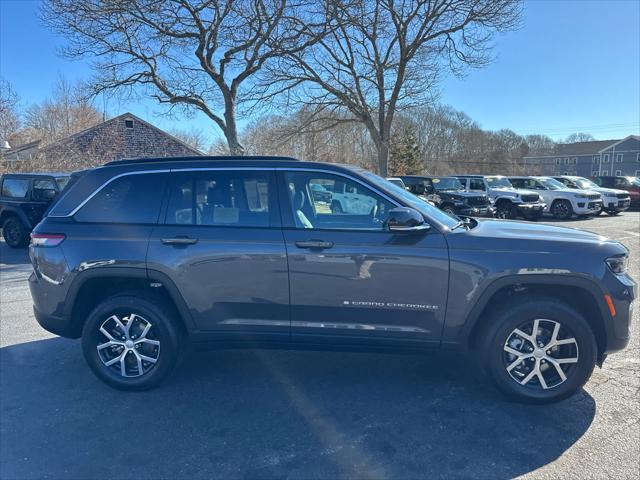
point(15, 187)
point(128, 199)
point(221, 198)
point(621, 182)
point(476, 184)
point(463, 181)
point(349, 206)
point(44, 189)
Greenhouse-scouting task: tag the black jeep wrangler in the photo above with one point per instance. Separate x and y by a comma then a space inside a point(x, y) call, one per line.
point(24, 198)
point(449, 195)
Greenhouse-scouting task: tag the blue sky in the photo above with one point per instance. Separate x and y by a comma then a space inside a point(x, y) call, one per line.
point(573, 66)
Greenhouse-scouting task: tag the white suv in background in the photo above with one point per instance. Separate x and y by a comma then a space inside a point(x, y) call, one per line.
point(509, 203)
point(562, 202)
point(613, 201)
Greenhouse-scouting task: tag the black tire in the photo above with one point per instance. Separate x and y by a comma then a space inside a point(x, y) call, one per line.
point(506, 210)
point(162, 330)
point(450, 209)
point(517, 315)
point(562, 209)
point(15, 233)
point(599, 212)
point(612, 213)
point(336, 207)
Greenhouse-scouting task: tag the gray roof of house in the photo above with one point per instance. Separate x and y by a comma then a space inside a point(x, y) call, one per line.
point(582, 148)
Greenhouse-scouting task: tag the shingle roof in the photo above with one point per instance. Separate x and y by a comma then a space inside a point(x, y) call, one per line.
point(582, 148)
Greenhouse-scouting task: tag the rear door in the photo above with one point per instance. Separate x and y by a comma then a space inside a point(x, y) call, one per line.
point(352, 279)
point(221, 244)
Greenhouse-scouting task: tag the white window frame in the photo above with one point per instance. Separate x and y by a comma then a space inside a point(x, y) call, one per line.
point(558, 160)
point(637, 173)
point(618, 173)
point(619, 157)
point(566, 173)
point(596, 159)
point(605, 173)
point(638, 157)
point(605, 158)
point(574, 160)
point(594, 173)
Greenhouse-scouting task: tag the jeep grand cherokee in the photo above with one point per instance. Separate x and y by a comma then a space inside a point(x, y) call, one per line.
point(139, 256)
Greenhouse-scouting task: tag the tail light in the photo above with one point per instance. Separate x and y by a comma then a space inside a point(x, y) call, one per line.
point(46, 239)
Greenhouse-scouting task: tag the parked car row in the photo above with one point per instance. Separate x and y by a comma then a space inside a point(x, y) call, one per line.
point(529, 197)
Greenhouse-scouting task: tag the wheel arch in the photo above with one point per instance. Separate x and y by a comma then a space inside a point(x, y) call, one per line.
point(584, 295)
point(91, 287)
point(8, 212)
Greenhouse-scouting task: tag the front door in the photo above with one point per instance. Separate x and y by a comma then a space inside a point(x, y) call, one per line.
point(222, 246)
point(349, 277)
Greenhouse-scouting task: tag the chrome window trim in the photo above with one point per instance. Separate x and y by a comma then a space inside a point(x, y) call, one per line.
point(206, 169)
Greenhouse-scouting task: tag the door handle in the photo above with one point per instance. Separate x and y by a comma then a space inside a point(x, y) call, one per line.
point(314, 244)
point(179, 241)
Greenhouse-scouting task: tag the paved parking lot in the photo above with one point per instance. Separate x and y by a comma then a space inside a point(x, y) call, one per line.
point(280, 414)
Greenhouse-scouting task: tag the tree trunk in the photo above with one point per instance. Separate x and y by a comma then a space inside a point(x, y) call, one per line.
point(383, 157)
point(231, 130)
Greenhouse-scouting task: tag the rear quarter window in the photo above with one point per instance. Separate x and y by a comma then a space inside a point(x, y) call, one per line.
point(128, 199)
point(15, 187)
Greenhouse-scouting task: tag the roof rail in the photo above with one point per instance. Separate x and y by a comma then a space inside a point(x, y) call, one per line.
point(197, 158)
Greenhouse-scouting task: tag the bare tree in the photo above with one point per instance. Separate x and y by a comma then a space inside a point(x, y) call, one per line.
point(66, 112)
point(9, 115)
point(197, 54)
point(193, 137)
point(383, 55)
point(578, 137)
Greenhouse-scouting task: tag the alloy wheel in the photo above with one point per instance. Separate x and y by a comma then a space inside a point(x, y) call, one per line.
point(128, 345)
point(561, 210)
point(540, 354)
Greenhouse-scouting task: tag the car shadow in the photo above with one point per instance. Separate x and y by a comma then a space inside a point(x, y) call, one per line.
point(13, 256)
point(274, 414)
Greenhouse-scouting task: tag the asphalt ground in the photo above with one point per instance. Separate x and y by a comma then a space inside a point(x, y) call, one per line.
point(284, 414)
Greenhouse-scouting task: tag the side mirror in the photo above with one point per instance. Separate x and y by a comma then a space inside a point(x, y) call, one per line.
point(403, 219)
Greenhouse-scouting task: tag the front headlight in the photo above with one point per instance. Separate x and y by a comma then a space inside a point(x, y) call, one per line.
point(618, 265)
point(581, 195)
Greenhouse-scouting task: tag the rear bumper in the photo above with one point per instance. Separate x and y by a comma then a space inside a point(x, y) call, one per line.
point(48, 310)
point(57, 325)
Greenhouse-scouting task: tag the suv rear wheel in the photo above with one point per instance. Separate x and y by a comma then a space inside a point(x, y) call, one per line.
point(539, 351)
point(130, 343)
point(14, 232)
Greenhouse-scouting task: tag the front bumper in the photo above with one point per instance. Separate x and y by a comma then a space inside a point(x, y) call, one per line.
point(531, 209)
point(477, 211)
point(624, 293)
point(587, 207)
point(616, 205)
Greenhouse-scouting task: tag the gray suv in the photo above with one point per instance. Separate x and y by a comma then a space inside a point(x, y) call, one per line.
point(139, 258)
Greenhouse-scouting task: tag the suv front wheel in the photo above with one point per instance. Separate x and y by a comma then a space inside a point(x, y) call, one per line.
point(130, 343)
point(539, 351)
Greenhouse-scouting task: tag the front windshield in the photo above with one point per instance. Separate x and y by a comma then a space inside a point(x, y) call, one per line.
point(446, 183)
point(498, 182)
point(585, 183)
point(410, 200)
point(551, 183)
